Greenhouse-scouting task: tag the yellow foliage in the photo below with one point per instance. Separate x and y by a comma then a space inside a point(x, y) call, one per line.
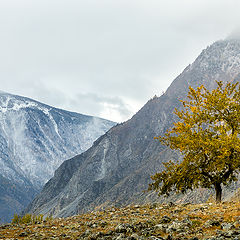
point(27, 219)
point(207, 134)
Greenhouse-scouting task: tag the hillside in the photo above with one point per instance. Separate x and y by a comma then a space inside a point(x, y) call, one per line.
point(150, 221)
point(34, 140)
point(117, 168)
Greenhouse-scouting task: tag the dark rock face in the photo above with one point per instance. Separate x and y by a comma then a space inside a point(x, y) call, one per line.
point(13, 197)
point(34, 140)
point(117, 168)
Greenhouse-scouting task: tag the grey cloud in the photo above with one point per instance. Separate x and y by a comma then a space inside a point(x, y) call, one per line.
point(62, 51)
point(99, 104)
point(235, 34)
point(85, 103)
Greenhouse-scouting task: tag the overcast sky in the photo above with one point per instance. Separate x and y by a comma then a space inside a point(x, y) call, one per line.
point(105, 57)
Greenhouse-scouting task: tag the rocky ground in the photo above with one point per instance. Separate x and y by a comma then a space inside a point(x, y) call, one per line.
point(153, 221)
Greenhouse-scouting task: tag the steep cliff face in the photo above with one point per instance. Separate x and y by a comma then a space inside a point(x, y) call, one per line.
point(34, 140)
point(117, 168)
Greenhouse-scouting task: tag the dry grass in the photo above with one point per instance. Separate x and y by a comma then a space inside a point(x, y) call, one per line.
point(107, 220)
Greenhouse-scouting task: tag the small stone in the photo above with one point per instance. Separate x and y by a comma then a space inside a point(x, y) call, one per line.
point(134, 236)
point(227, 226)
point(188, 222)
point(211, 223)
point(160, 227)
point(120, 237)
point(155, 238)
point(93, 236)
point(165, 219)
point(23, 234)
point(87, 232)
point(176, 227)
point(121, 228)
point(94, 225)
point(146, 232)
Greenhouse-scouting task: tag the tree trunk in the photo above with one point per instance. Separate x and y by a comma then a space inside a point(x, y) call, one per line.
point(218, 190)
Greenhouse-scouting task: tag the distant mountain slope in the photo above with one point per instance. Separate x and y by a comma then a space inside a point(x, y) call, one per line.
point(117, 168)
point(34, 140)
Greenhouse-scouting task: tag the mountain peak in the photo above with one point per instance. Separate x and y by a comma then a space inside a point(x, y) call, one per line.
point(117, 168)
point(34, 140)
point(219, 61)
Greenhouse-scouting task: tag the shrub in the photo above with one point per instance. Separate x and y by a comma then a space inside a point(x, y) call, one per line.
point(28, 218)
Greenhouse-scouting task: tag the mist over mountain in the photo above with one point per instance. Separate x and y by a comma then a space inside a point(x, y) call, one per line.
point(34, 140)
point(117, 168)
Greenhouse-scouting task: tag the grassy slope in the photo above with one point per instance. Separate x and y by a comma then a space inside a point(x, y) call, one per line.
point(137, 222)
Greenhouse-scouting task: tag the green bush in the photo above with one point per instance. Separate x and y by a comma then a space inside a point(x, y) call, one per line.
point(16, 219)
point(28, 218)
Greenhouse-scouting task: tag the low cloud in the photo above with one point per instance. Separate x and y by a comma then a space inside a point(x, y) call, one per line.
point(113, 108)
point(109, 107)
point(235, 34)
point(104, 58)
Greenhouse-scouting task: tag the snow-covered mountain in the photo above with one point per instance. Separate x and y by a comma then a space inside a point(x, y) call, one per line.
point(117, 168)
point(34, 140)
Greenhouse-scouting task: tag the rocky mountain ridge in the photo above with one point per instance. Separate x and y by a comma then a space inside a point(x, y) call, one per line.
point(34, 140)
point(117, 168)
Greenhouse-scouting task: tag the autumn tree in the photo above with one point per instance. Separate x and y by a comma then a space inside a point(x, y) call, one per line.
point(207, 135)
